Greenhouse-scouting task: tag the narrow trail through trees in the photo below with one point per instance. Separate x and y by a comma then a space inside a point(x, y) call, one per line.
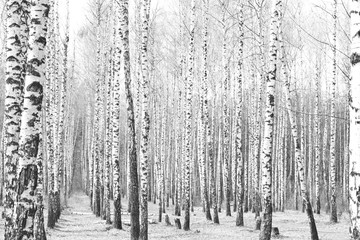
point(78, 222)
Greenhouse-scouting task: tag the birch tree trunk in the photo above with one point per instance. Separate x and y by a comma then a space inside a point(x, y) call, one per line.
point(162, 155)
point(178, 162)
point(354, 147)
point(333, 214)
point(239, 106)
point(2, 166)
point(49, 95)
point(209, 134)
point(219, 165)
point(29, 206)
point(204, 100)
point(325, 151)
point(188, 117)
point(266, 156)
point(226, 114)
point(115, 143)
point(134, 186)
point(14, 69)
point(108, 146)
point(317, 140)
point(145, 122)
point(96, 198)
point(257, 118)
point(56, 120)
point(157, 136)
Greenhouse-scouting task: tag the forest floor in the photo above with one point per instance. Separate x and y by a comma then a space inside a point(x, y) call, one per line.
point(78, 223)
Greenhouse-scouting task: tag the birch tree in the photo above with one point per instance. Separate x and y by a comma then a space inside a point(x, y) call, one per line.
point(204, 100)
point(97, 116)
point(49, 114)
point(115, 143)
point(239, 106)
point(29, 205)
point(108, 146)
point(188, 117)
point(145, 121)
point(134, 191)
point(354, 105)
point(333, 215)
point(266, 154)
point(13, 105)
point(226, 111)
point(317, 141)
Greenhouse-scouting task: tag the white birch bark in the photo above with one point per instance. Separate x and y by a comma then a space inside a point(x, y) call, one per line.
point(238, 129)
point(317, 140)
point(354, 107)
point(145, 122)
point(29, 206)
point(226, 113)
point(115, 143)
point(333, 214)
point(108, 146)
point(266, 153)
point(14, 69)
point(204, 120)
point(188, 117)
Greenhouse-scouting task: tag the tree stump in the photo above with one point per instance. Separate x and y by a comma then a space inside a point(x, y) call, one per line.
point(258, 223)
point(275, 231)
point(152, 221)
point(167, 220)
point(177, 223)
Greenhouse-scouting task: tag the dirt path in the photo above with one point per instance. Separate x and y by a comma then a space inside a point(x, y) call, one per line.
point(77, 222)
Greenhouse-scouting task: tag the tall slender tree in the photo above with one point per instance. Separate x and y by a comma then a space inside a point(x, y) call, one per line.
point(266, 153)
point(202, 122)
point(64, 93)
point(96, 198)
point(226, 110)
point(209, 134)
point(108, 146)
point(115, 154)
point(29, 206)
point(49, 114)
point(188, 117)
point(145, 121)
point(13, 105)
point(239, 106)
point(354, 105)
point(333, 215)
point(317, 139)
